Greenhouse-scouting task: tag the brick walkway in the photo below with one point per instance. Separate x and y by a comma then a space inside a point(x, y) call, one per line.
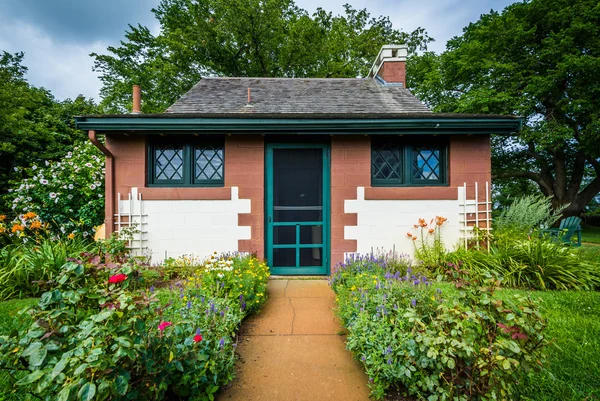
point(293, 349)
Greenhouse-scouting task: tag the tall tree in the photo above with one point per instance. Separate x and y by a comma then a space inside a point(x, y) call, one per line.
point(266, 38)
point(34, 126)
point(539, 59)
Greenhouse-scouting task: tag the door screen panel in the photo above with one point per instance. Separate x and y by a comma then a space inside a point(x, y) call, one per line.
point(296, 207)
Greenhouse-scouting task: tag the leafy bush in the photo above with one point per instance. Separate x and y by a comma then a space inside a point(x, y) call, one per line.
point(528, 213)
point(68, 194)
point(533, 263)
point(241, 278)
point(469, 345)
point(93, 338)
point(32, 259)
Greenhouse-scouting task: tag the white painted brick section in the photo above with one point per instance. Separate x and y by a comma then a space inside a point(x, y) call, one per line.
point(190, 227)
point(383, 224)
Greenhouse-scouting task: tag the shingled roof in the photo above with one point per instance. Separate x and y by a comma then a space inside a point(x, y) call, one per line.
point(297, 96)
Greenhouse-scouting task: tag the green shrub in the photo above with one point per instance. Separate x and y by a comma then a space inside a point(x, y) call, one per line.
point(94, 338)
point(532, 263)
point(470, 345)
point(528, 213)
point(27, 269)
point(68, 194)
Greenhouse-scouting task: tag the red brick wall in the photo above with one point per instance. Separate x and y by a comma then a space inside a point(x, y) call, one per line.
point(244, 168)
point(393, 71)
point(469, 161)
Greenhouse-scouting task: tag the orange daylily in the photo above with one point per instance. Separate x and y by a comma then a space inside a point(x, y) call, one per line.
point(431, 231)
point(17, 227)
point(2, 217)
point(35, 225)
point(29, 215)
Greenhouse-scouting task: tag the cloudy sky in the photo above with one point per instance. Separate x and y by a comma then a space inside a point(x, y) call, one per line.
point(57, 36)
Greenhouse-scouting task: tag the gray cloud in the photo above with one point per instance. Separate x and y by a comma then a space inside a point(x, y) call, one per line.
point(57, 36)
point(80, 21)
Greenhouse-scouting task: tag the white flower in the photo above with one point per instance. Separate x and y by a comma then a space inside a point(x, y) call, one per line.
point(34, 167)
point(69, 154)
point(97, 183)
point(16, 169)
point(43, 181)
point(85, 234)
point(47, 163)
point(89, 165)
point(69, 196)
point(92, 186)
point(52, 195)
point(10, 189)
point(70, 186)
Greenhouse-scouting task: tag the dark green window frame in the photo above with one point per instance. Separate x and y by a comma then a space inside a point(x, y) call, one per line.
point(183, 162)
point(398, 162)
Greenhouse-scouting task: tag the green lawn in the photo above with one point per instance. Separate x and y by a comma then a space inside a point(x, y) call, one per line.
point(590, 234)
point(572, 371)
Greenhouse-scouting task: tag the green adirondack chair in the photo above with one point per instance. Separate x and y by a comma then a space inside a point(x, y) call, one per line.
point(568, 228)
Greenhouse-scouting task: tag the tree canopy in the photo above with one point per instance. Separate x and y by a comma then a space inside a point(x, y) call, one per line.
point(267, 38)
point(539, 59)
point(34, 126)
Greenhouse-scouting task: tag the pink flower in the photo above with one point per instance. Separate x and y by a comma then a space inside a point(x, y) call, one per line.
point(117, 278)
point(164, 325)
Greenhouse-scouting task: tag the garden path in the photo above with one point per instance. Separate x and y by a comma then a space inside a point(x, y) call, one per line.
point(294, 350)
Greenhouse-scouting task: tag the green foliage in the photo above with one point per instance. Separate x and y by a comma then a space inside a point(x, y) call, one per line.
point(272, 38)
point(240, 278)
point(94, 338)
point(28, 269)
point(470, 345)
point(69, 194)
point(537, 59)
point(526, 214)
point(429, 247)
point(533, 263)
point(34, 127)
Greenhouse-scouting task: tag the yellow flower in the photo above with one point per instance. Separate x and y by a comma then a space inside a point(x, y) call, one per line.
point(433, 298)
point(353, 288)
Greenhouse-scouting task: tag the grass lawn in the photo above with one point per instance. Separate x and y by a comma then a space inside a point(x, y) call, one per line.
point(572, 371)
point(590, 234)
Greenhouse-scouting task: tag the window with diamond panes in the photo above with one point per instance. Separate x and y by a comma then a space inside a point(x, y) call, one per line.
point(182, 162)
point(208, 164)
point(426, 164)
point(168, 163)
point(387, 164)
point(409, 163)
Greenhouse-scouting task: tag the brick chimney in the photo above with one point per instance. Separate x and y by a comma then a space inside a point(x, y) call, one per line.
point(390, 65)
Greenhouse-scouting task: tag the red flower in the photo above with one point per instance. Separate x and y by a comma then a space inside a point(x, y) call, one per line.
point(197, 338)
point(164, 325)
point(117, 278)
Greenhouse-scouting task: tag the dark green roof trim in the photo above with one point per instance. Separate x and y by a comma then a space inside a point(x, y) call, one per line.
point(428, 123)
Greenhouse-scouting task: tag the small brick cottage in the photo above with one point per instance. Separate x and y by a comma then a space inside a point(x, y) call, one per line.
point(299, 171)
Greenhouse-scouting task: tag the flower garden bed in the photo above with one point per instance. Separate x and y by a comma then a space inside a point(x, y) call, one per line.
point(101, 334)
point(435, 344)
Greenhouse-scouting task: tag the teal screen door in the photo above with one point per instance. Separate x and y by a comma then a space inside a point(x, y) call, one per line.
point(297, 208)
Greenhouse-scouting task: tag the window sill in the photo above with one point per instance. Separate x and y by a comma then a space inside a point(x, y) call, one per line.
point(441, 192)
point(186, 193)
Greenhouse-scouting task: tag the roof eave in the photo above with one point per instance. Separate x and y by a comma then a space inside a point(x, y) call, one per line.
point(429, 125)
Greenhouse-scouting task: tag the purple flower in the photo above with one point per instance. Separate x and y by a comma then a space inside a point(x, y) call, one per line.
point(413, 302)
point(222, 343)
point(222, 313)
point(389, 361)
point(189, 305)
point(364, 358)
point(151, 289)
point(198, 331)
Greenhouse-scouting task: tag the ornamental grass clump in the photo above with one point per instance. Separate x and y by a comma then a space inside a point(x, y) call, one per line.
point(433, 344)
